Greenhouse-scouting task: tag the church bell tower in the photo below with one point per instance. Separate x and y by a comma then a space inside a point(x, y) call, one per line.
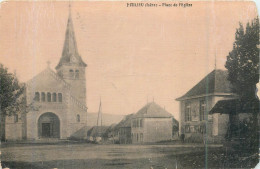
point(71, 67)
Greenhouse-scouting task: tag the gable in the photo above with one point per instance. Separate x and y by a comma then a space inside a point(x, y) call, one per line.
point(47, 80)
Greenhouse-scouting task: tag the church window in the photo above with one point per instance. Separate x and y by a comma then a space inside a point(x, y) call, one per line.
point(187, 112)
point(71, 73)
point(16, 118)
point(202, 110)
point(37, 96)
point(78, 118)
point(49, 97)
point(60, 97)
point(77, 74)
point(43, 97)
point(54, 97)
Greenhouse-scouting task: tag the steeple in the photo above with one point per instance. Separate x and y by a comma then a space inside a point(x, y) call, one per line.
point(71, 67)
point(70, 53)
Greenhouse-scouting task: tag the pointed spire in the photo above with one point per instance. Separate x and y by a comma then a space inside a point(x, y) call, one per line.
point(70, 51)
point(99, 114)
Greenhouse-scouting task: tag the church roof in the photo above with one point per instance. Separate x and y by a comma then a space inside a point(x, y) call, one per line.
point(70, 51)
point(152, 110)
point(215, 82)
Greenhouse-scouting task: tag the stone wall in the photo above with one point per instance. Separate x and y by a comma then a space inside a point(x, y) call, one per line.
point(157, 129)
point(13, 130)
point(153, 130)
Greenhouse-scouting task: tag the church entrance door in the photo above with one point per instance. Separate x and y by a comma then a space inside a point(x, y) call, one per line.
point(46, 130)
point(49, 126)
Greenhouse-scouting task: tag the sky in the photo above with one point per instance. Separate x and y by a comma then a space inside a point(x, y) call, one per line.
point(135, 55)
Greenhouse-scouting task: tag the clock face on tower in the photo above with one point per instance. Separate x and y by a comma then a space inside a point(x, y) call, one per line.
point(73, 59)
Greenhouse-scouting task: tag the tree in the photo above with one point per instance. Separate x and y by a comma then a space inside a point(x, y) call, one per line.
point(243, 67)
point(11, 97)
point(243, 61)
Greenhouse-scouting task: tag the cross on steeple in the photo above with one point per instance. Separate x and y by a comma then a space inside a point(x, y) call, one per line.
point(69, 8)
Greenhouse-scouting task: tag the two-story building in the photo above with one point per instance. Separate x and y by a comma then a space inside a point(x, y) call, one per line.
point(199, 100)
point(151, 123)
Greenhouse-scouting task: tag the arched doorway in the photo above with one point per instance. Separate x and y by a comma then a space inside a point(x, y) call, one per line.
point(49, 126)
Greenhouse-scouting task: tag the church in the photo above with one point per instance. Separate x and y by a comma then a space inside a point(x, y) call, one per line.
point(57, 99)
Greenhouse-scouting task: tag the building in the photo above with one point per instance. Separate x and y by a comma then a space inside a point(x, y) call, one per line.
point(151, 123)
point(57, 99)
point(198, 101)
point(97, 133)
point(125, 130)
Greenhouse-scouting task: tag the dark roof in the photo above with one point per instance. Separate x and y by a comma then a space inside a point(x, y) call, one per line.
point(225, 106)
point(215, 82)
point(81, 133)
point(235, 106)
point(110, 129)
point(97, 131)
point(126, 122)
point(152, 110)
point(70, 49)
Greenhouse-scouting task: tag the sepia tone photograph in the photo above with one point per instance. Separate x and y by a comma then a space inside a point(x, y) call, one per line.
point(129, 84)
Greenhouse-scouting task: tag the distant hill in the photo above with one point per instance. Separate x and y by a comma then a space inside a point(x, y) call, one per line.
point(107, 119)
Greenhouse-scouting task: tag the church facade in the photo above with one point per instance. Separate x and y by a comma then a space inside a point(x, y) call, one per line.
point(56, 99)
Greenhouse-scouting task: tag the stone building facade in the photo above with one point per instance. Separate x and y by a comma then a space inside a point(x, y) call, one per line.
point(195, 105)
point(58, 99)
point(151, 124)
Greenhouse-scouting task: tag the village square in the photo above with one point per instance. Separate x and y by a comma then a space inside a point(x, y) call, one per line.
point(46, 122)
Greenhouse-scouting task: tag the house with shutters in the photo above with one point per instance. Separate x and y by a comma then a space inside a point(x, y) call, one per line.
point(196, 104)
point(58, 98)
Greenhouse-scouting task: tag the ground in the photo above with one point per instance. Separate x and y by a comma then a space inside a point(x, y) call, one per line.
point(113, 156)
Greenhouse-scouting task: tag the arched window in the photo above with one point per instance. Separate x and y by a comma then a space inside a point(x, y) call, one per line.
point(43, 97)
point(77, 74)
point(78, 118)
point(49, 97)
point(71, 73)
point(54, 97)
point(37, 96)
point(16, 118)
point(60, 97)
